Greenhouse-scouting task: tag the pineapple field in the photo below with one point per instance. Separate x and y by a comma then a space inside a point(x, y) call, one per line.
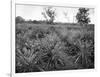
point(52, 47)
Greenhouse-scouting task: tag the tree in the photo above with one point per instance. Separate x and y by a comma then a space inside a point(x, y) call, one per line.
point(19, 19)
point(82, 16)
point(49, 14)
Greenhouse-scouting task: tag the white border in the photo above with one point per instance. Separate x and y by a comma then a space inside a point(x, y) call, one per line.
point(39, 74)
point(13, 38)
point(53, 4)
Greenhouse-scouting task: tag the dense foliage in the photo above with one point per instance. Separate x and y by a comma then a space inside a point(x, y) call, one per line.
point(19, 19)
point(82, 16)
point(40, 49)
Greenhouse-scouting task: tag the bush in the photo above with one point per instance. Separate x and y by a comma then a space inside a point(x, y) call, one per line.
point(19, 19)
point(86, 56)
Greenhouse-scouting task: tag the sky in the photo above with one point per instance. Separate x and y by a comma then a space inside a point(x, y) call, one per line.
point(63, 14)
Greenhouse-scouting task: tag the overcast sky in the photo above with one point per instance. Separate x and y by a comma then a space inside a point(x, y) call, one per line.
point(33, 12)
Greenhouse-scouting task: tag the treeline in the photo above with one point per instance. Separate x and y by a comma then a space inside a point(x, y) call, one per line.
point(19, 19)
point(50, 15)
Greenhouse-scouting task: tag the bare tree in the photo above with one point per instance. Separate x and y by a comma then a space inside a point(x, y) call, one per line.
point(49, 14)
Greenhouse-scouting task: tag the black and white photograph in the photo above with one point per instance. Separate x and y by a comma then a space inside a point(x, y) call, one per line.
point(53, 38)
